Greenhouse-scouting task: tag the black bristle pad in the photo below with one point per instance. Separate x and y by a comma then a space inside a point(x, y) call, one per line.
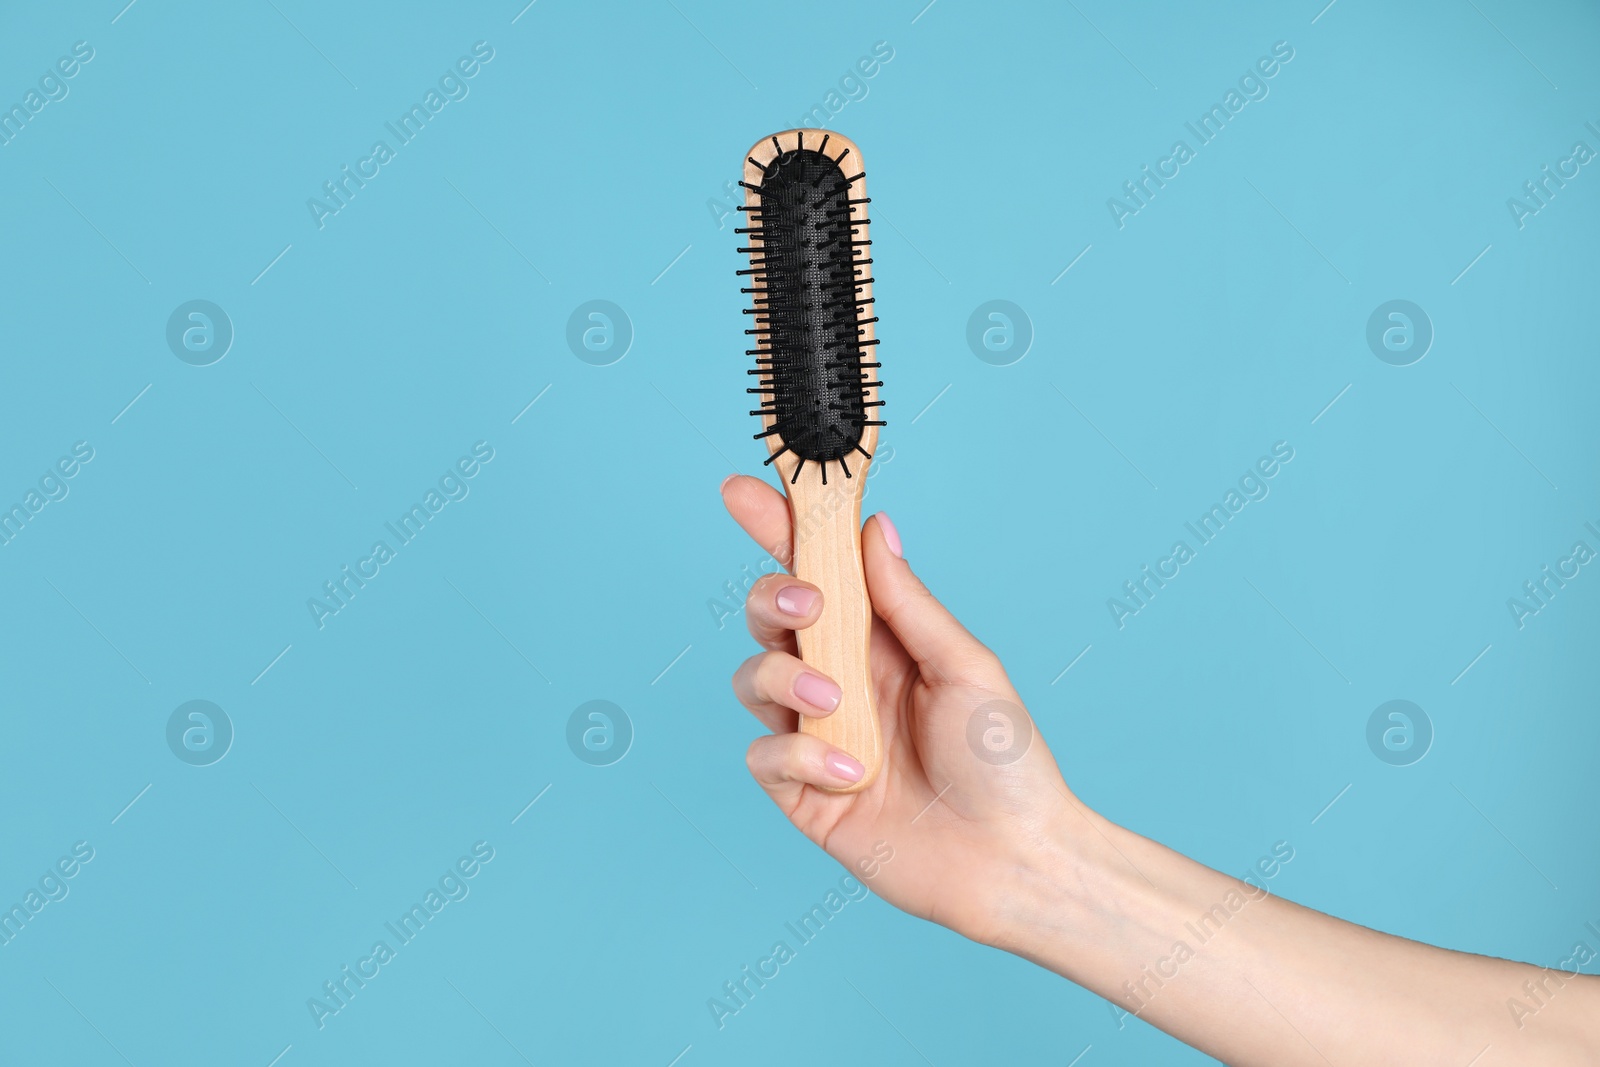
point(811, 272)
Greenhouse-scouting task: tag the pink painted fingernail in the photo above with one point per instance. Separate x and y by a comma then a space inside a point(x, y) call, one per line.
point(817, 691)
point(891, 536)
point(843, 766)
point(796, 600)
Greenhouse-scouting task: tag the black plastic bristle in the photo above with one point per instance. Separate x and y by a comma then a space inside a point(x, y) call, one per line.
point(809, 260)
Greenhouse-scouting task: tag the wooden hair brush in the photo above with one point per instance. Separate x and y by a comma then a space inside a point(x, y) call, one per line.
point(806, 202)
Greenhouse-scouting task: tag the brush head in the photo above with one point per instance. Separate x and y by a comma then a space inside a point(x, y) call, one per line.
point(805, 200)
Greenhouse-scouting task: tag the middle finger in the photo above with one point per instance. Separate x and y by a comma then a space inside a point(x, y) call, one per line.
point(777, 606)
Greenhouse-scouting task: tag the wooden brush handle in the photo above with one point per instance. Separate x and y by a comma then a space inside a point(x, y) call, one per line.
point(827, 553)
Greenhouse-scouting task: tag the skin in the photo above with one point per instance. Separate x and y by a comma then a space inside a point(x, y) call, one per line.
point(1007, 855)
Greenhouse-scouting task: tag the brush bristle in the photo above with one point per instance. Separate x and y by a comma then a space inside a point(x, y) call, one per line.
point(810, 264)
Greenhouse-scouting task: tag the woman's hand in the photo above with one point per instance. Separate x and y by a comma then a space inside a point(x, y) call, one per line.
point(969, 795)
point(970, 825)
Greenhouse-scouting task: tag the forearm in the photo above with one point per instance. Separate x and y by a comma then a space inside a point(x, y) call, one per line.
point(1253, 979)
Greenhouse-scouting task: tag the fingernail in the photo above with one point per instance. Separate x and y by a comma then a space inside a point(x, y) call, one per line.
point(891, 536)
point(843, 766)
point(817, 691)
point(726, 480)
point(796, 600)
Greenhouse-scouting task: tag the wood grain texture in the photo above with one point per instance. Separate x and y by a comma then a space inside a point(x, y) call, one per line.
point(827, 517)
point(827, 553)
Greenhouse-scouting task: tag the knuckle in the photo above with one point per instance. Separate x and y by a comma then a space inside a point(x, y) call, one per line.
point(760, 628)
point(759, 673)
point(769, 670)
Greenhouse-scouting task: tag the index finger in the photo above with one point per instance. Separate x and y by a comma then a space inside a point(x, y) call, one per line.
point(763, 513)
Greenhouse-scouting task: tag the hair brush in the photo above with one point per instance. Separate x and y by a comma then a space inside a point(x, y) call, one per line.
point(811, 286)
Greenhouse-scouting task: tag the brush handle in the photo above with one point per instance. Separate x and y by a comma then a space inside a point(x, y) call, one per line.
point(827, 553)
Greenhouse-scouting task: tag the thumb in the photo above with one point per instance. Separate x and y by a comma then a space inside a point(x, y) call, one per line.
point(942, 647)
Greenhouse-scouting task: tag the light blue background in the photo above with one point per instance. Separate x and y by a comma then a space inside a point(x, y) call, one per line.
point(591, 152)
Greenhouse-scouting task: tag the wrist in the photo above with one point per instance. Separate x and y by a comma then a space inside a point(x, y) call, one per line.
point(1059, 885)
